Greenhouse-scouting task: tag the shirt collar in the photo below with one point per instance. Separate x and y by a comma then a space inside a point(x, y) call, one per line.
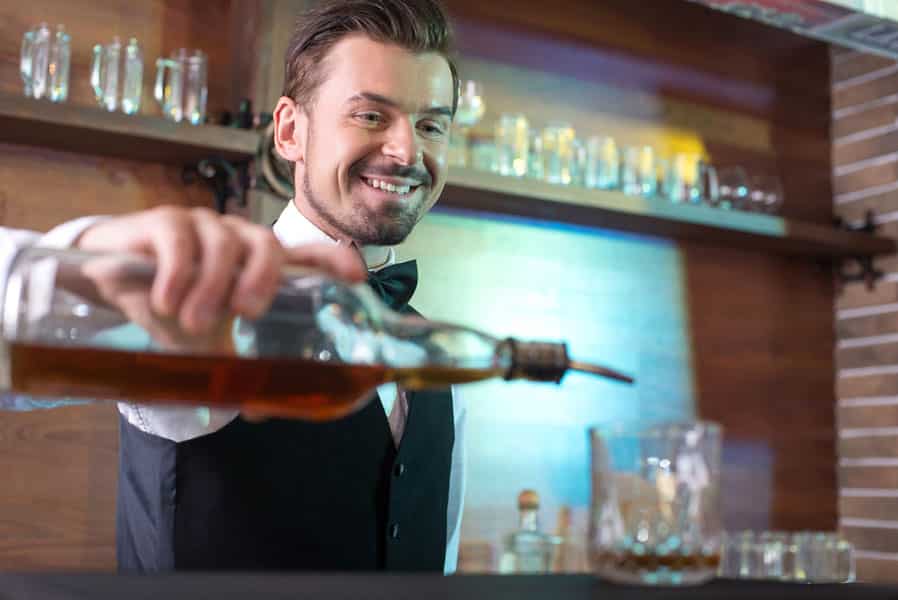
point(293, 228)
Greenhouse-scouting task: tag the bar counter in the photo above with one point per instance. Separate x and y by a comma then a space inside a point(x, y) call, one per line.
point(398, 587)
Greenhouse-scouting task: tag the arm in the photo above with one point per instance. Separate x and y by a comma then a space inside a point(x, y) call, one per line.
point(12, 240)
point(195, 289)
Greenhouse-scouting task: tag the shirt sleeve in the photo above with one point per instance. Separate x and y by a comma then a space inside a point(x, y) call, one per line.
point(456, 484)
point(11, 241)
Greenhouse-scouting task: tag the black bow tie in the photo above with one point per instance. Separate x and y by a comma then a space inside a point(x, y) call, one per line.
point(395, 284)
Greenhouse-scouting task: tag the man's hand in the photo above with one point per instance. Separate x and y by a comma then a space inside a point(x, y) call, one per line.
point(210, 267)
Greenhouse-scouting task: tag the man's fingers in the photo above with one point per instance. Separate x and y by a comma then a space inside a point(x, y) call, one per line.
point(338, 261)
point(221, 253)
point(261, 273)
point(175, 247)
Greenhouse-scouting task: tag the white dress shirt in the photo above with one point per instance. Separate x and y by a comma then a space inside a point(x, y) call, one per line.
point(179, 423)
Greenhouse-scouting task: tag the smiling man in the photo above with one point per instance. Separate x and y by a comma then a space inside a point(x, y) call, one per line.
point(369, 94)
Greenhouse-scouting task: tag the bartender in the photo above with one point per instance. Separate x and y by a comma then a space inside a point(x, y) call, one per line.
point(369, 95)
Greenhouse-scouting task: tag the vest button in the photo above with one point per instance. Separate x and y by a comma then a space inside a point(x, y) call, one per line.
point(394, 531)
point(399, 469)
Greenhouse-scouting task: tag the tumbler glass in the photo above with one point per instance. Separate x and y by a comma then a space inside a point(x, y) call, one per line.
point(655, 514)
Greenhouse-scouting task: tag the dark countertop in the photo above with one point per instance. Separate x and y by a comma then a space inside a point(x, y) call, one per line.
point(396, 587)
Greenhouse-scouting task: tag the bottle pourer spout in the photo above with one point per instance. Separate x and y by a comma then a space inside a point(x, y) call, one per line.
point(546, 361)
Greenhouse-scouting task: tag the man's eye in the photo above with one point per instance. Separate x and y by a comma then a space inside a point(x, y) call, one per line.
point(369, 117)
point(432, 128)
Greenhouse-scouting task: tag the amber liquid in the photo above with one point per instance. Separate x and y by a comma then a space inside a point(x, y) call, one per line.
point(275, 387)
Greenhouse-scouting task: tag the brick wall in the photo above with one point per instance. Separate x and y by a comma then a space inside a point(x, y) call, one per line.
point(865, 163)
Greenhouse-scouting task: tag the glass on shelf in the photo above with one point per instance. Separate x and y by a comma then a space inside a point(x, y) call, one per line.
point(44, 63)
point(183, 94)
point(639, 171)
point(104, 74)
point(733, 188)
point(602, 163)
point(470, 110)
point(535, 156)
point(682, 182)
point(766, 194)
point(512, 144)
point(471, 106)
point(558, 153)
point(60, 59)
point(482, 153)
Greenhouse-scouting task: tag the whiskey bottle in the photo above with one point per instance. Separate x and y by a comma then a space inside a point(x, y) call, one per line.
point(79, 325)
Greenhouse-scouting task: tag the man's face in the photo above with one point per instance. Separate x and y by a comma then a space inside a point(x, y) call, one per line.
point(373, 157)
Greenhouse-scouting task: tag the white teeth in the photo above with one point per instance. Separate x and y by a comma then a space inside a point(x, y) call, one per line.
point(389, 187)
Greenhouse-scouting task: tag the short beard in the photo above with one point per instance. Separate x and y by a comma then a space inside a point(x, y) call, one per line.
point(362, 225)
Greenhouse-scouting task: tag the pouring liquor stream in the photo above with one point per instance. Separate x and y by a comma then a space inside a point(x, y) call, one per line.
point(585, 367)
point(547, 361)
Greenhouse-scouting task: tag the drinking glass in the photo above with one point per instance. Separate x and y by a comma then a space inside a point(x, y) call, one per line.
point(639, 175)
point(469, 112)
point(655, 511)
point(44, 63)
point(471, 106)
point(602, 163)
point(766, 194)
point(535, 156)
point(482, 154)
point(733, 183)
point(458, 147)
point(116, 75)
point(807, 557)
point(512, 144)
point(558, 153)
point(682, 184)
point(183, 93)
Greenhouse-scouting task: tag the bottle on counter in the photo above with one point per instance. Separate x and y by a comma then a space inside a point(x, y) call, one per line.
point(79, 325)
point(527, 549)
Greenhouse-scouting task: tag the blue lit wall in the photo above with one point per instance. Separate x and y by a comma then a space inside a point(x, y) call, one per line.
point(615, 298)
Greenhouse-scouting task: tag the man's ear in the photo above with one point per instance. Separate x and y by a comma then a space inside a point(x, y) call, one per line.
point(290, 127)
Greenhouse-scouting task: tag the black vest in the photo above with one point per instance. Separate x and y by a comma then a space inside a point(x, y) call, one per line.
point(290, 495)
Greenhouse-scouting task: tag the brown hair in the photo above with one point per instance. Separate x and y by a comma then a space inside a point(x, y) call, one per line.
point(416, 25)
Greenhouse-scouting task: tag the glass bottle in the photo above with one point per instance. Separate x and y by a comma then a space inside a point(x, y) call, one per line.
point(80, 325)
point(132, 90)
point(527, 549)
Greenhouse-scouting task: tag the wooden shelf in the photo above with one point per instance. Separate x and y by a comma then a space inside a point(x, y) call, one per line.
point(479, 191)
point(88, 130)
point(92, 131)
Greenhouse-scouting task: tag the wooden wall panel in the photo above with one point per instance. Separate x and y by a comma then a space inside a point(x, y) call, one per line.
point(762, 366)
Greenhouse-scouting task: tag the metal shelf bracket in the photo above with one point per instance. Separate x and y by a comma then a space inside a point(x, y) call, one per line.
point(226, 180)
point(863, 268)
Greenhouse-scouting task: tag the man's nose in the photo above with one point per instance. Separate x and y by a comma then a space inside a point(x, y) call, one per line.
point(402, 143)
